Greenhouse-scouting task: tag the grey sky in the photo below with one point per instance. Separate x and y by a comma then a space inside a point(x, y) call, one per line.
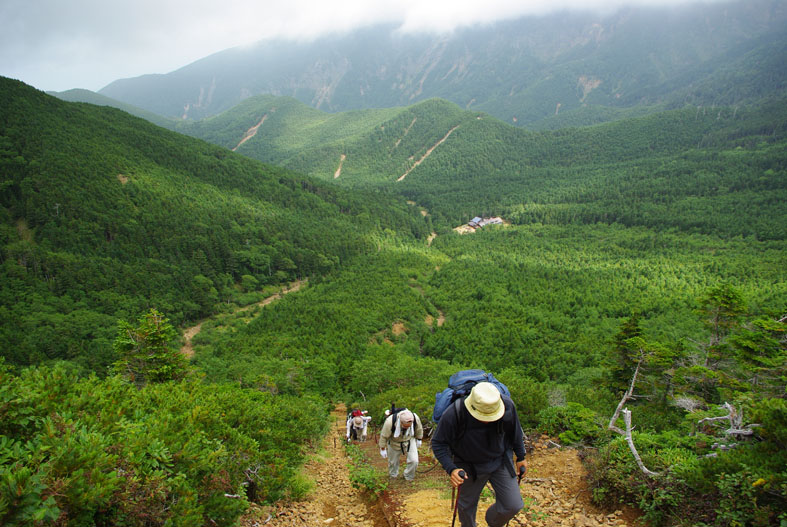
point(61, 44)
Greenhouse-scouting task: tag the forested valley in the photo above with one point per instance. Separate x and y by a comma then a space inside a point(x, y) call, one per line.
point(643, 257)
point(689, 169)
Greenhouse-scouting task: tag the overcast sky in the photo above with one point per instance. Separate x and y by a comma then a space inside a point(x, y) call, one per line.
point(63, 44)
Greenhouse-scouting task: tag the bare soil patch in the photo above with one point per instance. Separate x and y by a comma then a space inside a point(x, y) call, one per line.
point(398, 328)
point(339, 170)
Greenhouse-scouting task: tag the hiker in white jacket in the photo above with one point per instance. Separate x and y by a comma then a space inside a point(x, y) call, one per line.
point(401, 435)
point(356, 427)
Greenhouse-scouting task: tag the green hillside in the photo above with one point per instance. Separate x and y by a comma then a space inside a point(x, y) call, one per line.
point(561, 315)
point(80, 95)
point(105, 215)
point(653, 244)
point(715, 171)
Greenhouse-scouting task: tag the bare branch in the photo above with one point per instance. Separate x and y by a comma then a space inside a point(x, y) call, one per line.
point(711, 419)
point(630, 441)
point(612, 426)
point(742, 431)
point(687, 403)
point(723, 446)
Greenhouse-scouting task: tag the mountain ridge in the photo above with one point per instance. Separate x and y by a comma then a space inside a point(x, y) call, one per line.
point(521, 71)
point(461, 163)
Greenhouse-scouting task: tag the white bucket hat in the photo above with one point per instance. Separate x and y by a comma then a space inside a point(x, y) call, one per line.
point(484, 402)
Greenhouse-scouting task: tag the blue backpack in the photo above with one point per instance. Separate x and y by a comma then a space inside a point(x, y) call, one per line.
point(459, 385)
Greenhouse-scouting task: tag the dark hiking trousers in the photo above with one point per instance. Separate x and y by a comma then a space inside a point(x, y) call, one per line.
point(508, 498)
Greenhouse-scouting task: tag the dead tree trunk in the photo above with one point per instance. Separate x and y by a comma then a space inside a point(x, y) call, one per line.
point(627, 419)
point(612, 426)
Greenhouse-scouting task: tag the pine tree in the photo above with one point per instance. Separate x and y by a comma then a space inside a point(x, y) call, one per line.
point(145, 352)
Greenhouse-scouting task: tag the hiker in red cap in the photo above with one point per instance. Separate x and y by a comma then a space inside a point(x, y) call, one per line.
point(356, 425)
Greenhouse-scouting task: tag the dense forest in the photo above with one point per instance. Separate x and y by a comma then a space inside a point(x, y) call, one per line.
point(562, 314)
point(645, 255)
point(105, 215)
point(713, 171)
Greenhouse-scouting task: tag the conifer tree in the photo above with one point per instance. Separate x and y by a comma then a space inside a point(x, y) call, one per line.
point(145, 352)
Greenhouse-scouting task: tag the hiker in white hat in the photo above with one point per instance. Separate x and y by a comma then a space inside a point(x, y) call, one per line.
point(357, 422)
point(475, 442)
point(401, 434)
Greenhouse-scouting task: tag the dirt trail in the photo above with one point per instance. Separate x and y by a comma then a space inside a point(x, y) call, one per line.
point(189, 333)
point(335, 502)
point(555, 493)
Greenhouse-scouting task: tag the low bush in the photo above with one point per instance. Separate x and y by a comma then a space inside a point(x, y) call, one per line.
point(362, 474)
point(91, 451)
point(571, 423)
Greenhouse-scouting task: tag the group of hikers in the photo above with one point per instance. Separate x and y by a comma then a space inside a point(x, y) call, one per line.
point(478, 434)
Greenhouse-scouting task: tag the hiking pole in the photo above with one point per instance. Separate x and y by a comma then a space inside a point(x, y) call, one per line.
point(456, 502)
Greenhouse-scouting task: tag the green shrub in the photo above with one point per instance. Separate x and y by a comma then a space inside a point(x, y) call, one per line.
point(744, 486)
point(572, 423)
point(91, 451)
point(362, 474)
point(530, 396)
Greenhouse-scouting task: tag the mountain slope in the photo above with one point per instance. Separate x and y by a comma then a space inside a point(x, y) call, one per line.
point(693, 169)
point(103, 215)
point(520, 71)
point(80, 95)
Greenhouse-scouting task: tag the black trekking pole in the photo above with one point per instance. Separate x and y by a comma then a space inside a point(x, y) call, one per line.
point(456, 502)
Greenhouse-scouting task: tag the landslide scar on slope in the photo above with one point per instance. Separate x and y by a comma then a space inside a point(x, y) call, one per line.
point(407, 130)
point(251, 132)
point(428, 153)
point(339, 170)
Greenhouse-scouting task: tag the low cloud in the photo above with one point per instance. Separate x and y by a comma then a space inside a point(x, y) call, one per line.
point(56, 45)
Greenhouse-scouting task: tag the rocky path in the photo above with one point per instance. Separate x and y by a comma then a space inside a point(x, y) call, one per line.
point(555, 493)
point(335, 502)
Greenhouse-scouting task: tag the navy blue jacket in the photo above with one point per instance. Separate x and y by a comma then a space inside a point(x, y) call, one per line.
point(478, 447)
